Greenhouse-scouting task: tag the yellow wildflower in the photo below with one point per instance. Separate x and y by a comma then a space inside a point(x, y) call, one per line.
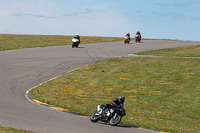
point(124, 78)
point(109, 89)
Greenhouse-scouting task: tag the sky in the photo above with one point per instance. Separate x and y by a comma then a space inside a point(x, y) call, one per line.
point(157, 19)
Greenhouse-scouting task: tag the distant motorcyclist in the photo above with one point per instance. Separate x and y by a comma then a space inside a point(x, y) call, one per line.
point(138, 33)
point(115, 103)
point(77, 37)
point(76, 41)
point(138, 36)
point(128, 35)
point(127, 38)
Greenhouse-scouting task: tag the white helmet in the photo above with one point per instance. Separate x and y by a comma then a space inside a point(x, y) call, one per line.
point(76, 34)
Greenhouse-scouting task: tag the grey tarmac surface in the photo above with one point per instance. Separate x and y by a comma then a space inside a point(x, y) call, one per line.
point(23, 69)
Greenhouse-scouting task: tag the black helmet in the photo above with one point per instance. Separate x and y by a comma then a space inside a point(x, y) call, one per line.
point(121, 99)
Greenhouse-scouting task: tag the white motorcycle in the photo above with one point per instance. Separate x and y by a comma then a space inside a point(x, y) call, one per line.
point(75, 42)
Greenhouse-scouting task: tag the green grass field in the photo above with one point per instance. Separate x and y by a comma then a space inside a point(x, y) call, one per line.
point(161, 94)
point(9, 41)
point(187, 51)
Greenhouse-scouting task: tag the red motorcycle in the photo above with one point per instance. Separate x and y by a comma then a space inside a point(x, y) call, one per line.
point(137, 38)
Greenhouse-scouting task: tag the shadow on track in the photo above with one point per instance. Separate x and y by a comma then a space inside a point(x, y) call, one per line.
point(86, 116)
point(80, 47)
point(121, 125)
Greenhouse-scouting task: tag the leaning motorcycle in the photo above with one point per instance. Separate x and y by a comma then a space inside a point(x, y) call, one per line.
point(75, 42)
point(137, 38)
point(126, 39)
point(112, 116)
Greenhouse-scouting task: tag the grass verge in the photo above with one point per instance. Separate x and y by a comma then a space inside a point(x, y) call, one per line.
point(11, 41)
point(13, 130)
point(187, 51)
point(161, 93)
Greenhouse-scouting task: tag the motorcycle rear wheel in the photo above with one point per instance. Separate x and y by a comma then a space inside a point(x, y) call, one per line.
point(116, 120)
point(94, 117)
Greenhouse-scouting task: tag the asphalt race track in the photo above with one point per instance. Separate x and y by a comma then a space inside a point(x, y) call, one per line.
point(23, 69)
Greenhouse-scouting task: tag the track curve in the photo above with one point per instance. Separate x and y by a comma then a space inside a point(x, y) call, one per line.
point(25, 68)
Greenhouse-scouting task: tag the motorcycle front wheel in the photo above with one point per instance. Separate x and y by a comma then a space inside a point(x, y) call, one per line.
point(94, 117)
point(73, 45)
point(115, 120)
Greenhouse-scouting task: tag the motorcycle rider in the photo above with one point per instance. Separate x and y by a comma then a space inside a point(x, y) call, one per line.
point(77, 37)
point(138, 32)
point(111, 113)
point(115, 103)
point(128, 35)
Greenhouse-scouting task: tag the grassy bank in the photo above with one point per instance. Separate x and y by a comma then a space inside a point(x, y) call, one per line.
point(9, 41)
point(13, 130)
point(161, 94)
